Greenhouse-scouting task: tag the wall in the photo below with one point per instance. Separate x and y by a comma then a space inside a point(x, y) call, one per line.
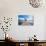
point(12, 8)
point(45, 29)
point(24, 32)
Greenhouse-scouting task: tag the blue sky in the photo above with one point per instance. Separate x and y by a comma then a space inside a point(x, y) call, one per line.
point(23, 17)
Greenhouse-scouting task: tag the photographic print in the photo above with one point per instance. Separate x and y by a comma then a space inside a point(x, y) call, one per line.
point(25, 20)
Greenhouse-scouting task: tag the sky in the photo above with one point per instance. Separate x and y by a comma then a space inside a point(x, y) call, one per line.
point(23, 17)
